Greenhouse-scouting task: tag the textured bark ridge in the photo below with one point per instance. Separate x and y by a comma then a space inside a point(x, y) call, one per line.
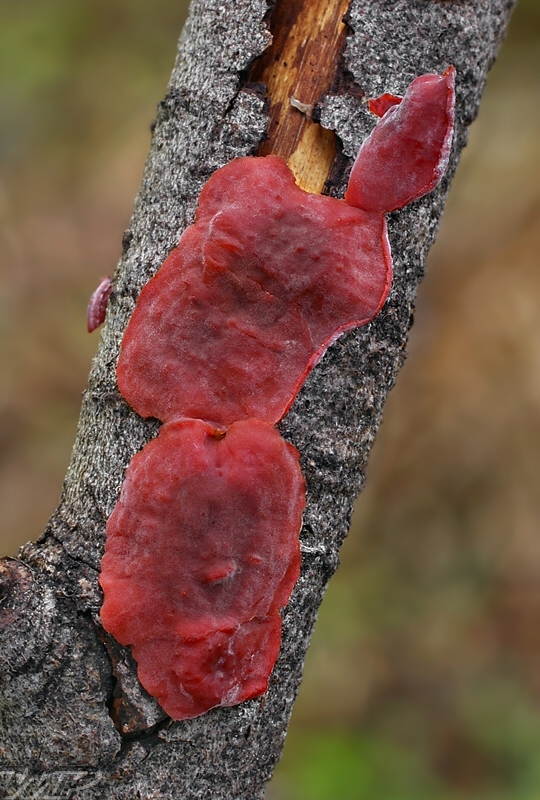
point(71, 702)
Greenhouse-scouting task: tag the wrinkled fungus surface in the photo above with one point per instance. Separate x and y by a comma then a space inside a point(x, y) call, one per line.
point(202, 547)
point(245, 305)
point(202, 552)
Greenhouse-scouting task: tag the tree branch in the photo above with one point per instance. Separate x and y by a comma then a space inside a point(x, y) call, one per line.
point(71, 700)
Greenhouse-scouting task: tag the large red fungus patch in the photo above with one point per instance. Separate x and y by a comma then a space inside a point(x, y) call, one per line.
point(254, 292)
point(202, 547)
point(202, 553)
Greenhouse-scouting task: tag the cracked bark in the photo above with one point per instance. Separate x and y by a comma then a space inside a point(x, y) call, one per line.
point(70, 696)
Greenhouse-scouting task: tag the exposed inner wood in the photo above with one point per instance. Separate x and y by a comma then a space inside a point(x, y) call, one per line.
point(300, 64)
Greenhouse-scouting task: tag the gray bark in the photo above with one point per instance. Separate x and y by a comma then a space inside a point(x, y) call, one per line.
point(71, 701)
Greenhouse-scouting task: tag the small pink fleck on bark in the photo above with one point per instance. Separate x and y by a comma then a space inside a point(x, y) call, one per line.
point(97, 305)
point(202, 553)
point(407, 153)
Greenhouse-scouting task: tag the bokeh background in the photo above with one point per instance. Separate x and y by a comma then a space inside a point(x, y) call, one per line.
point(423, 679)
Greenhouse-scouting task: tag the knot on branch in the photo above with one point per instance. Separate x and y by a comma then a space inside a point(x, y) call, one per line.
point(16, 581)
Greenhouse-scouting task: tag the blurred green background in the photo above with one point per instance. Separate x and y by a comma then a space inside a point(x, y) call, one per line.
point(423, 679)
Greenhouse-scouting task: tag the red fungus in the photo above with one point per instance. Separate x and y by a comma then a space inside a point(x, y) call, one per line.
point(256, 290)
point(97, 305)
point(270, 275)
point(202, 547)
point(380, 105)
point(407, 153)
point(202, 552)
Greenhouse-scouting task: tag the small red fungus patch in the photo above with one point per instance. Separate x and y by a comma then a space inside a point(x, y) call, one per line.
point(202, 553)
point(97, 305)
point(380, 105)
point(202, 547)
point(407, 152)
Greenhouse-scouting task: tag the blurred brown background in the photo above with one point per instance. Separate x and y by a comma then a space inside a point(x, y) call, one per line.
point(423, 680)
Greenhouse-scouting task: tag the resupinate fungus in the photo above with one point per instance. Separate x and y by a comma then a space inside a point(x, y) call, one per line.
point(202, 548)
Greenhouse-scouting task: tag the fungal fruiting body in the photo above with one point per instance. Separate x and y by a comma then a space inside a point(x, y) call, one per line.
point(269, 275)
point(202, 547)
point(266, 277)
point(222, 566)
point(97, 305)
point(406, 154)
